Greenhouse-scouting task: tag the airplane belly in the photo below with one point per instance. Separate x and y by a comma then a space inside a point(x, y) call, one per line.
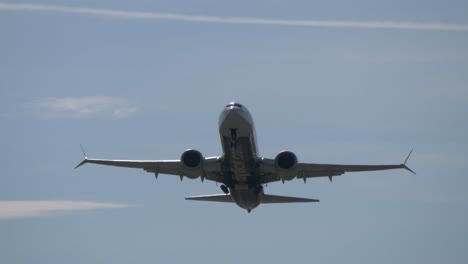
point(239, 162)
point(237, 133)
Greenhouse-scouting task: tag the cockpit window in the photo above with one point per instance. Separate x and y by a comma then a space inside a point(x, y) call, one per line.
point(234, 104)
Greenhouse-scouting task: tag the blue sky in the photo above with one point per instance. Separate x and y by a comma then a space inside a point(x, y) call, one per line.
point(150, 88)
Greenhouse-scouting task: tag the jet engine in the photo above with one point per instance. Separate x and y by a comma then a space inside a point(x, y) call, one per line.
point(192, 161)
point(286, 165)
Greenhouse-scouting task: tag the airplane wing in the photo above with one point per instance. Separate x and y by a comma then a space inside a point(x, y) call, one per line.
point(313, 170)
point(171, 167)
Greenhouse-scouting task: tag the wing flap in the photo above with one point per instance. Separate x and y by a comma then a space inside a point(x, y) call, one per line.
point(267, 198)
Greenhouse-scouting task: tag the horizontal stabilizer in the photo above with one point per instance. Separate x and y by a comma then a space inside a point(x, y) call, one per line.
point(225, 198)
point(286, 199)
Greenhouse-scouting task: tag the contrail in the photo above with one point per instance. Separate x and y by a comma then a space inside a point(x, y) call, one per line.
point(233, 20)
point(27, 209)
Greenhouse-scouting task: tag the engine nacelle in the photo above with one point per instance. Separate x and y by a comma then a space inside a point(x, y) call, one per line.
point(286, 165)
point(192, 161)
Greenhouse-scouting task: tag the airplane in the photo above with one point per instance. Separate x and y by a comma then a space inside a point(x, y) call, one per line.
point(241, 172)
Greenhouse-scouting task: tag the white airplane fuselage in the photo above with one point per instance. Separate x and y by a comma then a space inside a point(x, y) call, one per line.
point(238, 140)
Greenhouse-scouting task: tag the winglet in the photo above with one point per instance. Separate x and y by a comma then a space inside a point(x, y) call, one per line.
point(82, 163)
point(408, 169)
point(408, 156)
point(85, 158)
point(404, 163)
point(82, 150)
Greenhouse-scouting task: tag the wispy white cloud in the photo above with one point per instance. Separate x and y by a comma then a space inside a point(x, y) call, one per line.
point(89, 106)
point(28, 209)
point(232, 20)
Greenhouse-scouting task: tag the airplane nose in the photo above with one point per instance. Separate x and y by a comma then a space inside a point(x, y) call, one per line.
point(235, 115)
point(232, 105)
